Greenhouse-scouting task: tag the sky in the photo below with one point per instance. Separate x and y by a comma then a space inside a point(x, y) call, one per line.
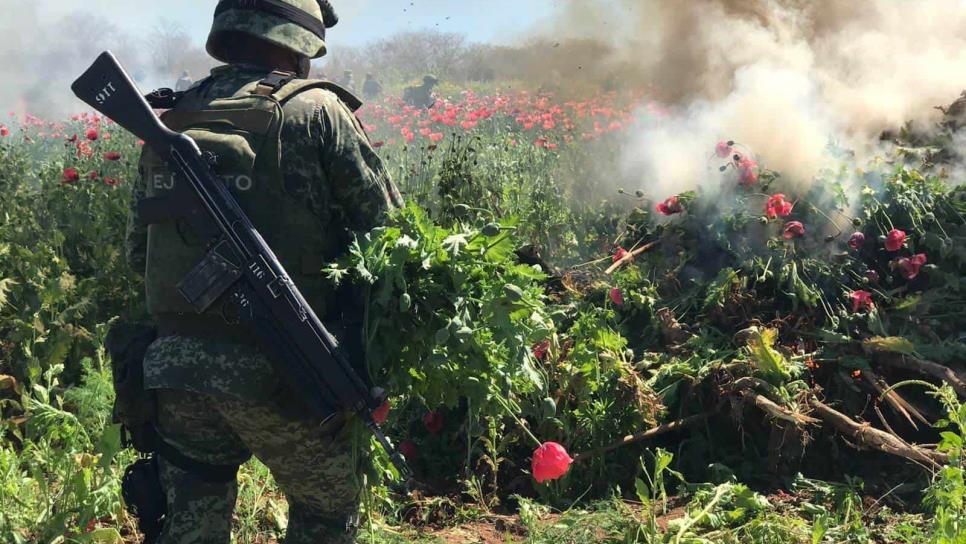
point(362, 21)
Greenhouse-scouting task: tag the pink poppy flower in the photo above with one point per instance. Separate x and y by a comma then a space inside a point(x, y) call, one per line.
point(380, 414)
point(793, 229)
point(861, 300)
point(777, 206)
point(433, 422)
point(856, 241)
point(540, 349)
point(409, 450)
point(71, 175)
point(619, 254)
point(909, 266)
point(670, 206)
point(895, 239)
point(550, 462)
point(616, 296)
point(723, 149)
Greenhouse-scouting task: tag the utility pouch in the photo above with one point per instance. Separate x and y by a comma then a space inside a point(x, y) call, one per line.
point(135, 407)
point(144, 497)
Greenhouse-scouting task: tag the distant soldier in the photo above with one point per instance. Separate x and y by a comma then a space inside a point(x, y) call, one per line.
point(421, 96)
point(371, 89)
point(184, 83)
point(347, 82)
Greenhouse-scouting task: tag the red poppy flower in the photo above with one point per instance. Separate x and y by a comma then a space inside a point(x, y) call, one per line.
point(380, 414)
point(747, 170)
point(4, 131)
point(777, 206)
point(540, 349)
point(670, 206)
point(793, 229)
point(436, 136)
point(909, 266)
point(747, 177)
point(619, 254)
point(856, 241)
point(433, 422)
point(723, 149)
point(616, 296)
point(92, 175)
point(550, 462)
point(91, 134)
point(113, 182)
point(112, 156)
point(895, 239)
point(409, 450)
point(861, 300)
point(71, 175)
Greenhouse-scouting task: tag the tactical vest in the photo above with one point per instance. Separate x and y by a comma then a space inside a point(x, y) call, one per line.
point(241, 136)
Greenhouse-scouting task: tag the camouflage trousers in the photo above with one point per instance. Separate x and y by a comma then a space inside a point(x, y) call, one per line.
point(313, 464)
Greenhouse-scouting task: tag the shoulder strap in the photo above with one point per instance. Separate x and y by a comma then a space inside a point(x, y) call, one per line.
point(284, 86)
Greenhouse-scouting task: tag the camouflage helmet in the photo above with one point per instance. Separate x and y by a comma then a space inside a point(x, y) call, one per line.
point(430, 79)
point(296, 25)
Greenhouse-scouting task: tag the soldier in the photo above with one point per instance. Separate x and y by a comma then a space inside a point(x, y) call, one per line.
point(348, 81)
point(421, 96)
point(218, 399)
point(371, 88)
point(184, 83)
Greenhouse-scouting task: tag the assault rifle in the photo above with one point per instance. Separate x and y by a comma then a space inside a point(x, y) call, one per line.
point(240, 269)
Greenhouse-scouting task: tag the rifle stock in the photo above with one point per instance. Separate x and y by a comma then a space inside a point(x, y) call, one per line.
point(107, 88)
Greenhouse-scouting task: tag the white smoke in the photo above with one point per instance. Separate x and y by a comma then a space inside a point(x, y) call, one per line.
point(783, 77)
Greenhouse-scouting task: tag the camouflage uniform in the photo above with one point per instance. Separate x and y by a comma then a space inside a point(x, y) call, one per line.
point(421, 96)
point(219, 400)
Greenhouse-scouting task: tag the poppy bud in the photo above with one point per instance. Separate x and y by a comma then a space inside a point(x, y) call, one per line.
point(492, 229)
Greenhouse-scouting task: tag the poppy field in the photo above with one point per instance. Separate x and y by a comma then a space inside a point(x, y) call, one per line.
point(570, 358)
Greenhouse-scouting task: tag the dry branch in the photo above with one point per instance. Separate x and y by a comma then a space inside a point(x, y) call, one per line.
point(644, 435)
point(897, 402)
point(929, 368)
point(865, 435)
point(629, 257)
point(743, 387)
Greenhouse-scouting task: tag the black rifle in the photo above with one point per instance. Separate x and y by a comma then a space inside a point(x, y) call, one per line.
point(240, 268)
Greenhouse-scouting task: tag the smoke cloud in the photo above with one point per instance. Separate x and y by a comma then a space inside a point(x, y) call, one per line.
point(782, 76)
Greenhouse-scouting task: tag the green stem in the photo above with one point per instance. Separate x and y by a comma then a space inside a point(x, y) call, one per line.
point(509, 411)
point(718, 495)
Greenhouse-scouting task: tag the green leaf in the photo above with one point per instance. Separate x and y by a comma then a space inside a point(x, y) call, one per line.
point(767, 359)
point(890, 344)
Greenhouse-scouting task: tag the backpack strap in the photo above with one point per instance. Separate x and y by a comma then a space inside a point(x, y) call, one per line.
point(273, 83)
point(284, 86)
